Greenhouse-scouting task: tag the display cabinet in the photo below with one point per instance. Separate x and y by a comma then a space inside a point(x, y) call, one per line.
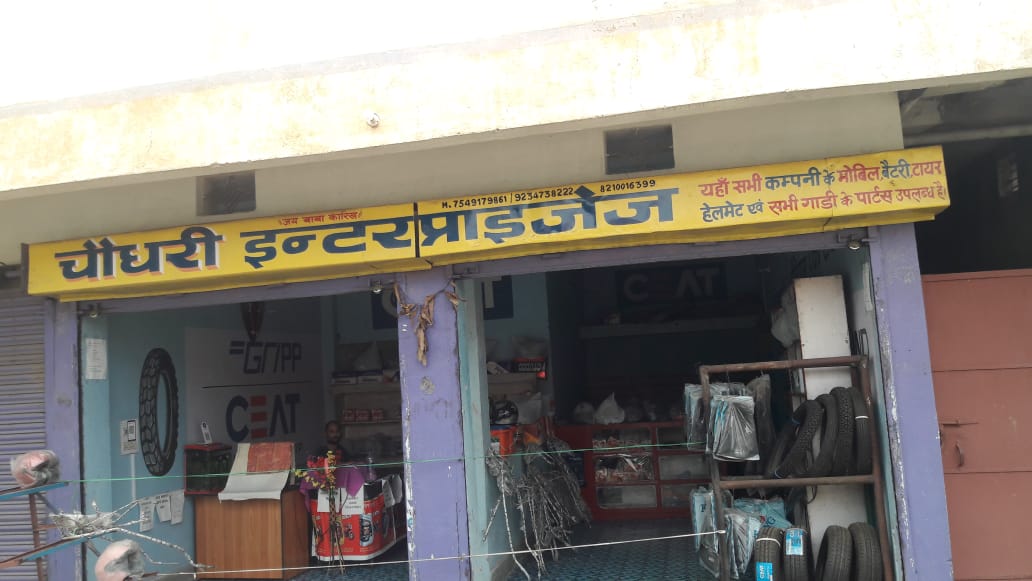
point(370, 420)
point(639, 470)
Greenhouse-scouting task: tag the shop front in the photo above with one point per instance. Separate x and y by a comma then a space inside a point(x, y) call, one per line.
point(440, 333)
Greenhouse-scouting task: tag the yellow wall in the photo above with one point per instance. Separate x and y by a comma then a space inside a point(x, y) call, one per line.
point(789, 132)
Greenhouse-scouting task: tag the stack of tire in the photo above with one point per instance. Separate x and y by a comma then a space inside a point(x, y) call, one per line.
point(846, 554)
point(840, 421)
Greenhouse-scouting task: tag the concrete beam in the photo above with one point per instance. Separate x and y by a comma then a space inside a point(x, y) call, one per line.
point(700, 57)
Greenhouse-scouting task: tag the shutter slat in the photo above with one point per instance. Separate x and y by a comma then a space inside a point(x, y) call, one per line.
point(22, 417)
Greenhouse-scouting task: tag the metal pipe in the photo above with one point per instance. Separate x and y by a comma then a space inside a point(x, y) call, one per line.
point(845, 361)
point(968, 135)
point(733, 484)
point(888, 572)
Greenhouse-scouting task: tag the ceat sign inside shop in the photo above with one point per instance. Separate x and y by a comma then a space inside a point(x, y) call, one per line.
point(260, 388)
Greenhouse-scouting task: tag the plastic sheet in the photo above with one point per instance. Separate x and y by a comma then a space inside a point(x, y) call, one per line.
point(732, 433)
point(771, 512)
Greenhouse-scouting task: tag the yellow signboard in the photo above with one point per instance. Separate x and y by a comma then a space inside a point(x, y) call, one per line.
point(225, 255)
point(734, 204)
point(755, 202)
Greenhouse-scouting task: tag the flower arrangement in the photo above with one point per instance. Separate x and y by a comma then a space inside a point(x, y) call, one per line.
point(320, 472)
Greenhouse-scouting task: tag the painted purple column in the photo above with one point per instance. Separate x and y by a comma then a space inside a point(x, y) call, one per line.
point(435, 476)
point(910, 405)
point(61, 390)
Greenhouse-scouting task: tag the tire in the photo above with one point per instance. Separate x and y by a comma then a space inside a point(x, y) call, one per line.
point(777, 453)
point(867, 565)
point(842, 463)
point(159, 453)
point(795, 557)
point(764, 422)
point(808, 416)
point(829, 436)
point(835, 559)
point(862, 463)
point(767, 550)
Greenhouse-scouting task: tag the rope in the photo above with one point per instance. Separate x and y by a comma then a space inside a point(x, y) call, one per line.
point(386, 464)
point(451, 558)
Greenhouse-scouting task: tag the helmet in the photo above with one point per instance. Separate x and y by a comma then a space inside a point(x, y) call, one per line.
point(505, 413)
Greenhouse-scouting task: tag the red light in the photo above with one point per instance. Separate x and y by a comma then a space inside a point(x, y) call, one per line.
point(542, 375)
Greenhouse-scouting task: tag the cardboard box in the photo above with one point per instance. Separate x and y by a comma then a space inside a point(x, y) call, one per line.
point(371, 521)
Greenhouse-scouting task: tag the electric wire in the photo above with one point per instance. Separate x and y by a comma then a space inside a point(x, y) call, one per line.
point(392, 463)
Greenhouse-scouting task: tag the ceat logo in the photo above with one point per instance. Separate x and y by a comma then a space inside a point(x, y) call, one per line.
point(250, 417)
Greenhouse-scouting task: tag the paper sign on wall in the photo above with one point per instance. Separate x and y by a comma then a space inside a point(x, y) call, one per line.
point(177, 499)
point(96, 359)
point(146, 514)
point(163, 506)
point(129, 442)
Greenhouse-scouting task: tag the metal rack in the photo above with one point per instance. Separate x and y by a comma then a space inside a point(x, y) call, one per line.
point(40, 549)
point(861, 377)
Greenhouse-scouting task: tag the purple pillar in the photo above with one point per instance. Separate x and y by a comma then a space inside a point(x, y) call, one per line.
point(61, 388)
point(435, 476)
point(910, 405)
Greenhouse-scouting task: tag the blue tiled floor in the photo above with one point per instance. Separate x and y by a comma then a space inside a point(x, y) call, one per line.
point(648, 561)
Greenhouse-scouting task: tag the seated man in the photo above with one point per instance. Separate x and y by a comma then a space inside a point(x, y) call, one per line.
point(332, 443)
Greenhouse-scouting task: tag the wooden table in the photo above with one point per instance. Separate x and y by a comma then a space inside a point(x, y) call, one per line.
point(235, 535)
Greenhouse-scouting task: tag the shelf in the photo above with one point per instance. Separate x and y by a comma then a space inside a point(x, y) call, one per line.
point(627, 483)
point(622, 452)
point(513, 377)
point(675, 481)
point(366, 388)
point(686, 326)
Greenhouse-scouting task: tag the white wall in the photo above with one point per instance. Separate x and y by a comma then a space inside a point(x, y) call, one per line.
point(790, 132)
point(197, 87)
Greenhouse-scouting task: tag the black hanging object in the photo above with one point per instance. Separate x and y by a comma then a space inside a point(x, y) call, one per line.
point(252, 314)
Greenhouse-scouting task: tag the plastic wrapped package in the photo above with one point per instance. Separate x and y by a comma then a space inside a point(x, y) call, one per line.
point(771, 511)
point(743, 528)
point(35, 468)
point(695, 415)
point(732, 433)
point(704, 518)
point(609, 412)
point(584, 413)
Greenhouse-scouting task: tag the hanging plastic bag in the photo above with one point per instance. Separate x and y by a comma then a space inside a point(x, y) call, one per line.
point(609, 412)
point(35, 468)
point(743, 528)
point(732, 435)
point(120, 560)
point(703, 516)
point(704, 523)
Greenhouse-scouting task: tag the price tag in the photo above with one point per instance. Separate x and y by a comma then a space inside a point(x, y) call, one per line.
point(794, 541)
point(764, 571)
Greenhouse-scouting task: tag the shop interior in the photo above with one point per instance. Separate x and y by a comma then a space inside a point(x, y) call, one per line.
point(597, 359)
point(623, 344)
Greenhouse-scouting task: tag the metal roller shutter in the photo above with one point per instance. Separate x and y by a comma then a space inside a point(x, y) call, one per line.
point(22, 416)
